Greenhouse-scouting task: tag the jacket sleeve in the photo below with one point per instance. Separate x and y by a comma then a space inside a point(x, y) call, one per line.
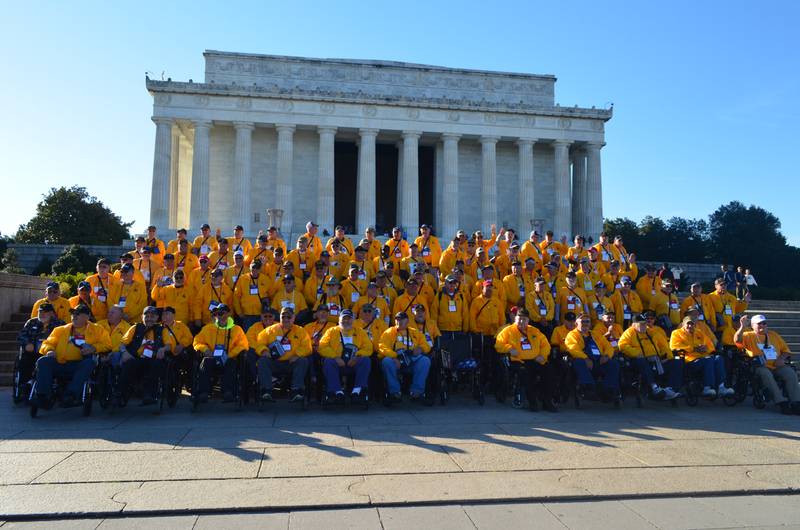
point(303, 344)
point(238, 342)
point(329, 344)
point(200, 342)
point(364, 344)
point(386, 345)
point(503, 343)
point(419, 340)
point(574, 343)
point(627, 346)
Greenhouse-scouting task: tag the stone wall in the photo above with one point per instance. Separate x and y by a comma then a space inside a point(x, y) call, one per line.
point(17, 290)
point(31, 255)
point(696, 272)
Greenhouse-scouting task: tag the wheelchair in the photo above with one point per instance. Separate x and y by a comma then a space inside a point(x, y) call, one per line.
point(57, 393)
point(281, 387)
point(693, 385)
point(746, 382)
point(458, 367)
point(599, 393)
point(22, 377)
point(216, 380)
point(111, 395)
point(431, 382)
point(511, 377)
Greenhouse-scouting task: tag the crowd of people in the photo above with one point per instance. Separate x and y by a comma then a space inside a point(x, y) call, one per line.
point(378, 313)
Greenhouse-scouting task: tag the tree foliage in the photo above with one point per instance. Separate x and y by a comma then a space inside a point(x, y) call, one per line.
point(737, 234)
point(74, 259)
point(10, 262)
point(71, 215)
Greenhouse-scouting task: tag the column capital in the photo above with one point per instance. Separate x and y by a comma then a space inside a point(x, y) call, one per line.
point(595, 145)
point(244, 125)
point(489, 139)
point(160, 120)
point(562, 143)
point(285, 127)
point(326, 129)
point(526, 141)
point(411, 134)
point(451, 136)
point(368, 132)
point(202, 124)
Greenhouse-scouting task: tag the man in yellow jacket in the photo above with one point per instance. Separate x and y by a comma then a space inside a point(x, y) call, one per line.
point(53, 296)
point(404, 349)
point(283, 348)
point(592, 357)
point(702, 303)
point(69, 353)
point(666, 306)
point(251, 295)
point(526, 346)
point(174, 246)
point(238, 242)
point(700, 357)
point(648, 353)
point(219, 343)
point(216, 292)
point(129, 295)
point(156, 246)
point(626, 302)
point(772, 355)
point(206, 242)
point(339, 235)
point(430, 248)
point(345, 349)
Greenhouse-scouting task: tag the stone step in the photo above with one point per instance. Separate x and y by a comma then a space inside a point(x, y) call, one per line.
point(6, 379)
point(7, 355)
point(8, 335)
point(11, 326)
point(19, 317)
point(6, 345)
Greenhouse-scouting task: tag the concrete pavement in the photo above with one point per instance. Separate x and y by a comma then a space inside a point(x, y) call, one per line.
point(134, 462)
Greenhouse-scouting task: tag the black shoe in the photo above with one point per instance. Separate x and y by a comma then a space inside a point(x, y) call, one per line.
point(227, 397)
point(339, 398)
point(796, 407)
point(297, 396)
point(786, 408)
point(266, 396)
point(549, 406)
point(70, 401)
point(202, 398)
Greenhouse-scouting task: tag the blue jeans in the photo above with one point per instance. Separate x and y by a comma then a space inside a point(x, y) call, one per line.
point(674, 369)
point(265, 366)
point(333, 373)
point(608, 371)
point(77, 372)
point(419, 367)
point(713, 369)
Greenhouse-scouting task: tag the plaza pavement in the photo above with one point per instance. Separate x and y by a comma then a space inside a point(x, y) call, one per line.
point(283, 459)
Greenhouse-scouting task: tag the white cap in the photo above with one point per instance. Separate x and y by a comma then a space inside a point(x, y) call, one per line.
point(757, 319)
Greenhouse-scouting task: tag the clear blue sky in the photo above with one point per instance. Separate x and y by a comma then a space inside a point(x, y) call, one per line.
point(705, 93)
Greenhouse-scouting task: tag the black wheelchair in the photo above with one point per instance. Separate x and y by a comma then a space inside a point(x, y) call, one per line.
point(216, 378)
point(746, 382)
point(693, 385)
point(22, 377)
point(457, 367)
point(281, 386)
point(598, 392)
point(58, 390)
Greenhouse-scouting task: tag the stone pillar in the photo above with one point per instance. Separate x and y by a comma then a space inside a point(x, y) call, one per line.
point(283, 196)
point(399, 209)
point(242, 175)
point(198, 208)
point(162, 167)
point(408, 216)
point(525, 188)
point(579, 192)
point(365, 194)
point(594, 191)
point(450, 187)
point(488, 182)
point(174, 178)
point(325, 190)
point(562, 216)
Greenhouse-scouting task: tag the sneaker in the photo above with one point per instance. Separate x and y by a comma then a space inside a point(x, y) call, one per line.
point(297, 396)
point(339, 397)
point(670, 394)
point(709, 392)
point(657, 392)
point(266, 396)
point(517, 403)
point(725, 391)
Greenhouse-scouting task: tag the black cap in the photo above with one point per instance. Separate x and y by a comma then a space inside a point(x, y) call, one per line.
point(46, 307)
point(570, 316)
point(169, 309)
point(638, 317)
point(400, 315)
point(205, 226)
point(238, 227)
point(81, 309)
point(126, 268)
point(222, 308)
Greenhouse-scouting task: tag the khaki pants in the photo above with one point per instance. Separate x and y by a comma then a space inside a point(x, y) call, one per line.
point(789, 378)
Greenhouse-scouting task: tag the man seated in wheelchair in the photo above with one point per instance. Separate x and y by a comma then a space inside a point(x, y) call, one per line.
point(593, 356)
point(404, 349)
point(29, 339)
point(424, 325)
point(649, 354)
point(771, 355)
point(345, 350)
point(69, 353)
point(701, 357)
point(178, 337)
point(526, 346)
point(143, 354)
point(219, 343)
point(281, 349)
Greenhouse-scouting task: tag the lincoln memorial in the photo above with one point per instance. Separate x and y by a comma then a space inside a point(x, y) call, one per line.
point(372, 143)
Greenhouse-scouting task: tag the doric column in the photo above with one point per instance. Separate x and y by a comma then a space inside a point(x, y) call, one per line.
point(579, 191)
point(162, 167)
point(594, 191)
point(198, 208)
point(284, 181)
point(242, 175)
point(325, 191)
point(450, 187)
point(400, 170)
point(488, 182)
point(365, 194)
point(174, 178)
point(525, 189)
point(409, 183)
point(562, 216)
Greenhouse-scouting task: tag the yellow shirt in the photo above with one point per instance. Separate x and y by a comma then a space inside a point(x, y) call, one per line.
point(64, 340)
point(295, 341)
point(251, 293)
point(231, 338)
point(529, 345)
point(115, 334)
point(575, 343)
point(430, 250)
point(210, 294)
point(689, 342)
point(450, 313)
point(374, 330)
point(393, 340)
point(633, 344)
point(486, 315)
point(132, 297)
point(331, 344)
point(666, 305)
point(770, 345)
point(60, 304)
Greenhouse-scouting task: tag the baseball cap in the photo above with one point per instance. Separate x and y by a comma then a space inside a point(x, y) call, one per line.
point(205, 226)
point(758, 319)
point(346, 314)
point(217, 272)
point(126, 268)
point(310, 225)
point(52, 285)
point(400, 315)
point(150, 309)
point(238, 227)
point(84, 285)
point(81, 309)
point(222, 308)
point(47, 307)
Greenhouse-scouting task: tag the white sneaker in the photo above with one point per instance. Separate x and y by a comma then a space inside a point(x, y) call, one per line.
point(670, 394)
point(709, 392)
point(656, 391)
point(724, 391)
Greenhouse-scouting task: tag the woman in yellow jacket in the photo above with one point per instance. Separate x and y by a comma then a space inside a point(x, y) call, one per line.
point(648, 352)
point(346, 349)
point(527, 346)
point(283, 348)
point(698, 351)
point(219, 343)
point(592, 357)
point(404, 348)
point(69, 352)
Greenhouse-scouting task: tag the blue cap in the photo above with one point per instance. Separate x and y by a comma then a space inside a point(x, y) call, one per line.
point(84, 285)
point(52, 285)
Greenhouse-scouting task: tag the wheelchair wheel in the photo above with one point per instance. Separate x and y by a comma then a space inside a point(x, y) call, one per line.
point(88, 397)
point(691, 399)
point(730, 401)
point(758, 400)
point(18, 390)
point(195, 397)
point(33, 410)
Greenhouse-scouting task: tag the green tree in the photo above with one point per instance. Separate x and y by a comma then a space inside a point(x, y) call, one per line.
point(10, 262)
point(74, 259)
point(72, 216)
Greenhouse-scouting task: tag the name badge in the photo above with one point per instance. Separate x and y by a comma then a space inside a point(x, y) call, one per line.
point(480, 274)
point(362, 275)
point(543, 312)
point(254, 289)
point(285, 344)
point(626, 316)
point(673, 306)
point(147, 349)
point(614, 343)
point(595, 351)
point(354, 296)
point(101, 297)
point(222, 265)
point(347, 340)
point(333, 309)
point(769, 352)
point(570, 306)
point(606, 257)
point(219, 350)
point(397, 253)
point(78, 340)
point(728, 310)
point(451, 306)
point(525, 344)
point(122, 301)
point(652, 291)
point(146, 275)
point(426, 251)
point(701, 317)
point(428, 339)
point(204, 249)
